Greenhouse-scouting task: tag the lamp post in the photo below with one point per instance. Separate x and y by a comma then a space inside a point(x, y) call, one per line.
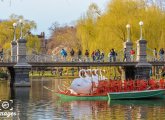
point(14, 26)
point(21, 25)
point(128, 32)
point(141, 32)
point(14, 45)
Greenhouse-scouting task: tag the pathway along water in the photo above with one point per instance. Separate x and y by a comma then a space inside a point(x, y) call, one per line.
point(37, 103)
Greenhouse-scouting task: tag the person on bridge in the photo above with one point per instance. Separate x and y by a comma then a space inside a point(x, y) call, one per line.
point(132, 53)
point(115, 55)
point(93, 55)
point(72, 55)
point(79, 55)
point(155, 54)
point(97, 55)
point(102, 56)
point(87, 55)
point(63, 54)
point(161, 53)
point(112, 55)
point(125, 55)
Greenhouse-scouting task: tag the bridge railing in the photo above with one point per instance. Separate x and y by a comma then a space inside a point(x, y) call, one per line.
point(33, 57)
point(58, 58)
point(5, 56)
point(151, 57)
point(52, 58)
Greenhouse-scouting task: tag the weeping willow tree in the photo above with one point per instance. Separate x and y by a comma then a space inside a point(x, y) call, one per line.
point(107, 30)
point(86, 28)
point(6, 32)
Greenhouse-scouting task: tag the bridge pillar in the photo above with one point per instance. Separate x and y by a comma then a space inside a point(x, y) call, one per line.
point(22, 68)
point(13, 51)
point(143, 67)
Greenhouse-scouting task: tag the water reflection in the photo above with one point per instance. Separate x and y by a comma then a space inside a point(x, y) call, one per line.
point(4, 90)
point(37, 103)
point(79, 107)
point(84, 109)
point(140, 109)
point(142, 102)
point(21, 102)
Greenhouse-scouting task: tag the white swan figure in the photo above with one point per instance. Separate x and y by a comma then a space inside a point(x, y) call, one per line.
point(95, 77)
point(88, 75)
point(82, 85)
point(88, 78)
point(80, 73)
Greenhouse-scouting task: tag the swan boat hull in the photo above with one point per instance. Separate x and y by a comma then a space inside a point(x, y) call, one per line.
point(159, 93)
point(81, 97)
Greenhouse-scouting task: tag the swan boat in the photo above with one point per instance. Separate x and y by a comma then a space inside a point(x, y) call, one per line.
point(112, 90)
point(102, 93)
point(145, 94)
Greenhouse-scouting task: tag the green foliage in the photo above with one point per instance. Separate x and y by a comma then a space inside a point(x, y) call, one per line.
point(6, 32)
point(108, 30)
point(33, 43)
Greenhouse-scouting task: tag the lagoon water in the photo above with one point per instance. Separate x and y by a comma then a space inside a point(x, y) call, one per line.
point(38, 103)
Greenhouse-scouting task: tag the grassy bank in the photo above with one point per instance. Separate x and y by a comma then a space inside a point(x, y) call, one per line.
point(49, 74)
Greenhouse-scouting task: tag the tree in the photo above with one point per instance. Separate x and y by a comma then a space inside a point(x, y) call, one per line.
point(86, 28)
point(63, 37)
point(6, 33)
point(109, 31)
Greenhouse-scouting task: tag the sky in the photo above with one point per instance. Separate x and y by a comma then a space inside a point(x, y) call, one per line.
point(46, 12)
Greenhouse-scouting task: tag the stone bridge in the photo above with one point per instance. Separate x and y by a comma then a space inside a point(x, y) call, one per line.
point(19, 61)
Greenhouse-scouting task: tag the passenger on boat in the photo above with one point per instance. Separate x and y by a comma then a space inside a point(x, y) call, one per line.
point(101, 75)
